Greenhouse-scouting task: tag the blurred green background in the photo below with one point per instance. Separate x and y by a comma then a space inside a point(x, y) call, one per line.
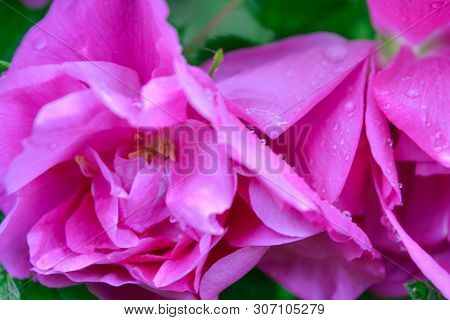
point(205, 26)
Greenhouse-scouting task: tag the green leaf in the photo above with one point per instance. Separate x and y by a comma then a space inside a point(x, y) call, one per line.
point(35, 291)
point(8, 288)
point(286, 17)
point(4, 65)
point(423, 291)
point(256, 286)
point(240, 24)
point(15, 19)
point(76, 293)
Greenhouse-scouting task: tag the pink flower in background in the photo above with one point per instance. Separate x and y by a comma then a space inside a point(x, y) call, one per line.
point(412, 20)
point(412, 91)
point(319, 82)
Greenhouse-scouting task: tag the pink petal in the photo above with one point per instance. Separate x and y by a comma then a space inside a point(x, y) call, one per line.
point(84, 233)
point(380, 142)
point(318, 268)
point(430, 268)
point(245, 229)
point(61, 131)
point(177, 267)
point(334, 128)
point(145, 205)
point(107, 209)
point(277, 93)
point(22, 94)
point(90, 35)
point(228, 270)
point(32, 203)
point(202, 185)
point(278, 215)
point(414, 20)
point(413, 93)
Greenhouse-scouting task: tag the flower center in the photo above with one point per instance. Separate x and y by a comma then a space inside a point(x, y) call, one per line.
point(153, 146)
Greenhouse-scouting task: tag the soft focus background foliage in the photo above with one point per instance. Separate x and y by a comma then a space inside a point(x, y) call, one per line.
point(205, 26)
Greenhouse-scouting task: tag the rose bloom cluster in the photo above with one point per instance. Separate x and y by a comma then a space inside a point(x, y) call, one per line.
point(321, 161)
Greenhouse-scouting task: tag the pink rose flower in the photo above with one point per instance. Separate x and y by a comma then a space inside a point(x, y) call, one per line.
point(319, 82)
point(413, 20)
point(93, 198)
point(412, 93)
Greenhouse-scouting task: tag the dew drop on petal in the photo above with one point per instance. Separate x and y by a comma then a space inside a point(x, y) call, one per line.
point(349, 106)
point(40, 44)
point(336, 53)
point(347, 214)
point(437, 149)
point(413, 93)
point(389, 142)
point(137, 104)
point(436, 4)
point(406, 78)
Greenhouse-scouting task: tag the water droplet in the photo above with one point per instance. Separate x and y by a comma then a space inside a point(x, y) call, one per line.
point(349, 106)
point(387, 106)
point(336, 53)
point(389, 142)
point(40, 44)
point(347, 157)
point(263, 141)
point(347, 214)
point(437, 149)
point(342, 142)
point(385, 221)
point(336, 126)
point(406, 78)
point(436, 4)
point(413, 93)
point(137, 104)
point(400, 185)
point(281, 156)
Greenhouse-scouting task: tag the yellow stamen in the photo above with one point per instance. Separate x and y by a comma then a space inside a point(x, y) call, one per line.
point(156, 146)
